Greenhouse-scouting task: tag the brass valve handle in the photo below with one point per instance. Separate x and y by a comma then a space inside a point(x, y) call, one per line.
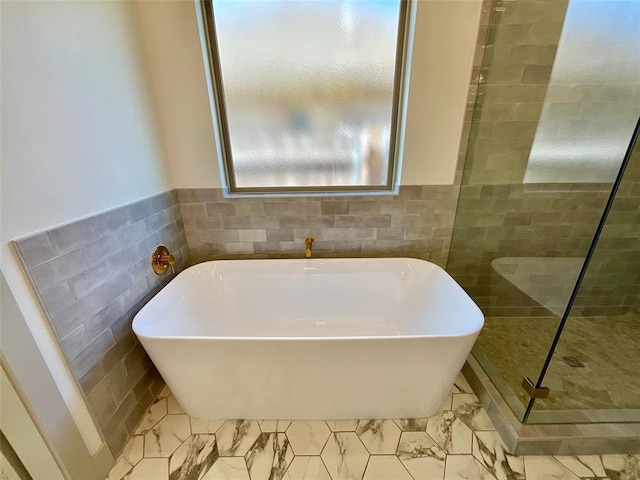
point(161, 260)
point(308, 244)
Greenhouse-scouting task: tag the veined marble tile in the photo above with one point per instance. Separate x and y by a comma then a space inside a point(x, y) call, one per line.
point(583, 465)
point(173, 406)
point(345, 456)
point(150, 469)
point(156, 412)
point(235, 437)
point(269, 457)
point(168, 434)
point(465, 467)
point(489, 450)
point(622, 467)
point(307, 468)
point(386, 467)
point(379, 436)
point(446, 402)
point(412, 424)
point(308, 437)
point(201, 425)
point(228, 468)
point(422, 457)
point(165, 392)
point(468, 408)
point(545, 468)
point(449, 432)
point(193, 458)
point(268, 426)
point(460, 385)
point(130, 456)
point(342, 425)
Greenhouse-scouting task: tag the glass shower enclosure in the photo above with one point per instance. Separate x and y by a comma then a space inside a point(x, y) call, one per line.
point(547, 232)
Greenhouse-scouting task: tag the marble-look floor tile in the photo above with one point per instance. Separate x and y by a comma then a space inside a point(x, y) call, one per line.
point(468, 408)
point(307, 468)
point(342, 425)
point(173, 406)
point(156, 412)
point(412, 424)
point(460, 385)
point(269, 457)
point(228, 468)
point(545, 468)
point(489, 450)
point(235, 437)
point(308, 437)
point(449, 432)
point(379, 436)
point(269, 426)
point(622, 467)
point(201, 425)
point(345, 456)
point(583, 465)
point(130, 456)
point(168, 434)
point(386, 467)
point(193, 458)
point(446, 402)
point(165, 392)
point(150, 469)
point(465, 467)
point(421, 456)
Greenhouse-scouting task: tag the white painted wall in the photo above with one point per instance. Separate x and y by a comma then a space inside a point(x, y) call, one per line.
point(444, 45)
point(172, 43)
point(23, 435)
point(79, 135)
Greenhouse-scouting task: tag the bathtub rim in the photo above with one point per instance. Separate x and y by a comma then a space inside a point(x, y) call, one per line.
point(473, 332)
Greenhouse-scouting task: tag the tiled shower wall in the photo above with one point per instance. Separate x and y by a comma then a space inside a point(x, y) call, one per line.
point(530, 230)
point(500, 219)
point(512, 222)
point(519, 52)
point(92, 276)
point(416, 223)
point(611, 285)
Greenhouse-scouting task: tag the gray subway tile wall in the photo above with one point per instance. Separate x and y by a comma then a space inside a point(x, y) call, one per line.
point(520, 222)
point(521, 42)
point(499, 217)
point(91, 277)
point(611, 285)
point(417, 223)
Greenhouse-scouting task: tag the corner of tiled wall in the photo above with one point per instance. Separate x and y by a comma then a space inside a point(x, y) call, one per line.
point(92, 276)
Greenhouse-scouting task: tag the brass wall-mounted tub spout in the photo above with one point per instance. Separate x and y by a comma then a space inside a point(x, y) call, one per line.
point(161, 260)
point(308, 246)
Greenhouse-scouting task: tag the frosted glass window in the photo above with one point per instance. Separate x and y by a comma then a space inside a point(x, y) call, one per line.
point(307, 92)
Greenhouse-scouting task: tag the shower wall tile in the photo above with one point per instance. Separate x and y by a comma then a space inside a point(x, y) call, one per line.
point(417, 223)
point(611, 286)
point(518, 55)
point(92, 276)
point(520, 232)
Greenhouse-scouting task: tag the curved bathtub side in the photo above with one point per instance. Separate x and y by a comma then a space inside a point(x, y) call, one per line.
point(314, 379)
point(307, 377)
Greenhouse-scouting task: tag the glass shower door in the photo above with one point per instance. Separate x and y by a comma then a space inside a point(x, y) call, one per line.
point(593, 369)
point(558, 98)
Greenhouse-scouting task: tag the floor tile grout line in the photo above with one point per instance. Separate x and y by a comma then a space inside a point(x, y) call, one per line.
point(326, 468)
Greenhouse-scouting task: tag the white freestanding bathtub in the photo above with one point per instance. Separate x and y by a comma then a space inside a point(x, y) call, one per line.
point(310, 338)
